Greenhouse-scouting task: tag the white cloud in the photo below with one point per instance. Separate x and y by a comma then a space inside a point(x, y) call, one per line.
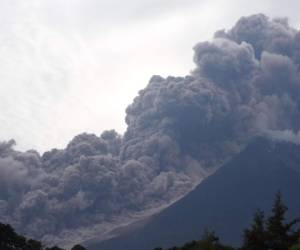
point(284, 135)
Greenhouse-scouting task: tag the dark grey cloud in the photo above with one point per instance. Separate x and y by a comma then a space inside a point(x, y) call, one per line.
point(275, 37)
point(180, 129)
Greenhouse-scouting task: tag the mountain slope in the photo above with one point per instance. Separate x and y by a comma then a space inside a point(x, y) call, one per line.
point(225, 201)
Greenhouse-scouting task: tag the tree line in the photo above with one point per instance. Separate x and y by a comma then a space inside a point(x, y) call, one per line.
point(272, 233)
point(10, 240)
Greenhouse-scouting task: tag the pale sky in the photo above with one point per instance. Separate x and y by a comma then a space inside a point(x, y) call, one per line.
point(73, 66)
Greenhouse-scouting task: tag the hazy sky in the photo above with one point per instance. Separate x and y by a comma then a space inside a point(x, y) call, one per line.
point(72, 66)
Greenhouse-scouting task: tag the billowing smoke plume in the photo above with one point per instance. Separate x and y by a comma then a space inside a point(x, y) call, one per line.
point(180, 129)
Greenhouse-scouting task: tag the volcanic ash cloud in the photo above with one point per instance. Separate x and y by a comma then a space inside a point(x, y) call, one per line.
point(180, 129)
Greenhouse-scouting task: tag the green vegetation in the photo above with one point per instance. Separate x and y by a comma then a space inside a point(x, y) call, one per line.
point(273, 233)
point(10, 240)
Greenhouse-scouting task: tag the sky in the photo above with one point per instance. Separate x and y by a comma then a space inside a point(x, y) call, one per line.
point(73, 66)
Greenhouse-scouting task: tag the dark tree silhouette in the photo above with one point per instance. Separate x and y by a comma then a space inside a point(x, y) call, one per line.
point(209, 241)
point(10, 240)
point(78, 247)
point(256, 237)
point(274, 233)
point(33, 245)
point(280, 234)
point(54, 248)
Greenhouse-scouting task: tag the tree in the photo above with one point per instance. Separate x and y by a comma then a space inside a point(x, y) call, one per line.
point(54, 248)
point(280, 234)
point(33, 245)
point(78, 247)
point(274, 233)
point(209, 240)
point(255, 237)
point(9, 239)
